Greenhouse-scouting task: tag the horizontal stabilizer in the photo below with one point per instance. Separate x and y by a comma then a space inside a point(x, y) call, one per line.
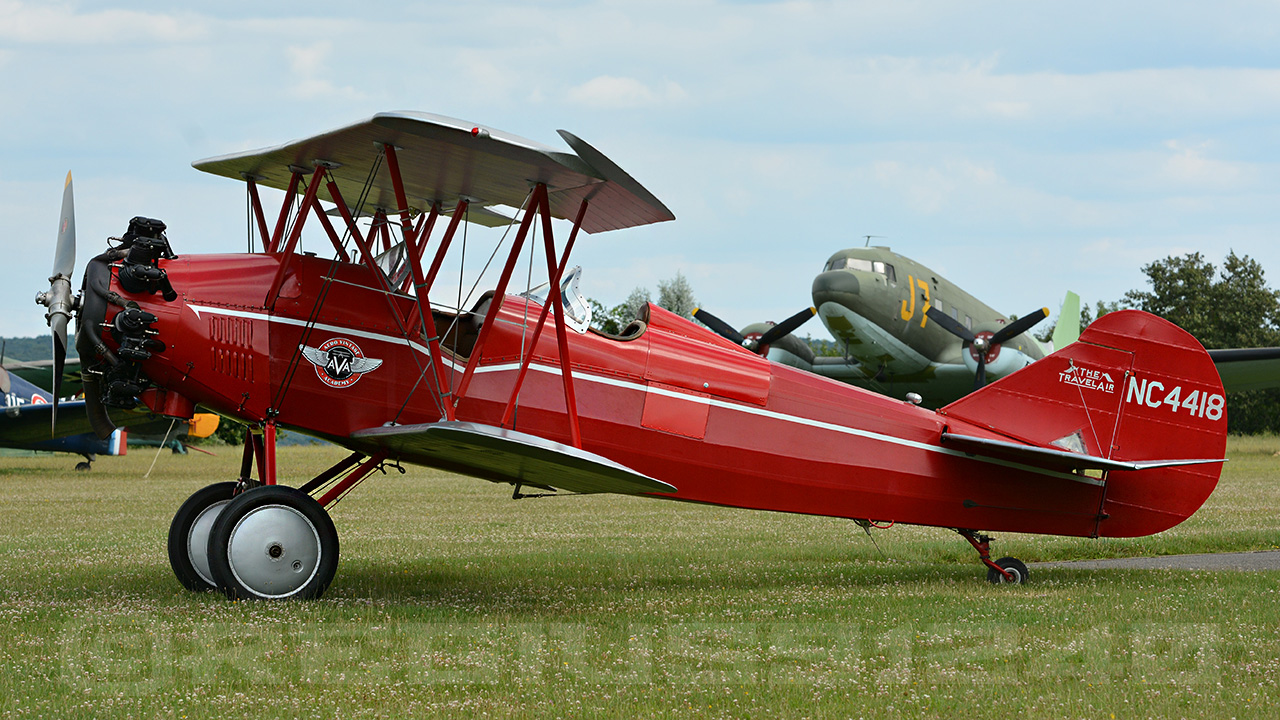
point(1061, 460)
point(503, 455)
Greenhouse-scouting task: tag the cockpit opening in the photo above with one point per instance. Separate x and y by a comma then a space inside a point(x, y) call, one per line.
point(633, 330)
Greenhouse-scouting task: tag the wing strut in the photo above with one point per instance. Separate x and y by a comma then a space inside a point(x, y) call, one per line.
point(426, 223)
point(419, 282)
point(538, 205)
point(330, 231)
point(459, 212)
point(555, 272)
point(296, 233)
point(407, 324)
point(255, 201)
point(278, 234)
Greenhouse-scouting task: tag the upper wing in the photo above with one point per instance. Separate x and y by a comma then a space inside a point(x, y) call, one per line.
point(1248, 368)
point(443, 159)
point(508, 456)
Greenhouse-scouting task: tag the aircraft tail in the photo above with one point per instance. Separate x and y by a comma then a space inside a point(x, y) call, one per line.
point(1067, 330)
point(1136, 400)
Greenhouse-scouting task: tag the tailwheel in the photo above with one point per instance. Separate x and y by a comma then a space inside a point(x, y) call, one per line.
point(1013, 568)
point(273, 543)
point(1005, 570)
point(189, 535)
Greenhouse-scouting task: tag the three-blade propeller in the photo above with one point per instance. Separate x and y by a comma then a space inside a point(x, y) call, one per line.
point(756, 345)
point(58, 298)
point(984, 344)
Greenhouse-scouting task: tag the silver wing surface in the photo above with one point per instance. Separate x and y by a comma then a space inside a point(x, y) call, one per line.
point(446, 160)
point(507, 456)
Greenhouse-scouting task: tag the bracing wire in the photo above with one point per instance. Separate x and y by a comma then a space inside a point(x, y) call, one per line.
point(471, 292)
point(294, 360)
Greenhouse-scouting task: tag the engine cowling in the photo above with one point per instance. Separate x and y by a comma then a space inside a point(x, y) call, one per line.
point(1002, 359)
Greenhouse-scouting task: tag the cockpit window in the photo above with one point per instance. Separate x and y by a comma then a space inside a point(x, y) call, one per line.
point(851, 263)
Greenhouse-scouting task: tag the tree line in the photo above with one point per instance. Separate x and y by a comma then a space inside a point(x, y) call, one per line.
point(1227, 306)
point(675, 294)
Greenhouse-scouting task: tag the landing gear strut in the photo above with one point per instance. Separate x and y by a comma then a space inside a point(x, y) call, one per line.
point(1004, 570)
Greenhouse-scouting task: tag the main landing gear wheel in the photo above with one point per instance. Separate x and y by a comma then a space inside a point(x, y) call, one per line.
point(1006, 570)
point(273, 543)
point(189, 535)
point(1016, 569)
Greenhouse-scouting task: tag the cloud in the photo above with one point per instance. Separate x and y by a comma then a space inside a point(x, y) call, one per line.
point(621, 93)
point(56, 24)
point(1189, 164)
point(933, 189)
point(309, 59)
point(309, 65)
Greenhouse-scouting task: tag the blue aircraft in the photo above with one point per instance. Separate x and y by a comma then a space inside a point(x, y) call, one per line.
point(28, 424)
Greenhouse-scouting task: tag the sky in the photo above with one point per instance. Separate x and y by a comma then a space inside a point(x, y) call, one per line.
point(1020, 149)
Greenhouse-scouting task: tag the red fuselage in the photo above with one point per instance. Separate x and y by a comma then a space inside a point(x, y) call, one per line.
point(675, 402)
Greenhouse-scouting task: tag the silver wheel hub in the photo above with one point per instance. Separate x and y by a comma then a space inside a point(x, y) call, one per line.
point(198, 540)
point(274, 551)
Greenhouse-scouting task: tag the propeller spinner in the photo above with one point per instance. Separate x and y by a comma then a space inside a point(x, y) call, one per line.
point(58, 299)
point(770, 336)
point(983, 345)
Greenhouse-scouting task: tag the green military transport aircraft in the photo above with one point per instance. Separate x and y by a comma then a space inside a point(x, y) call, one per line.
point(905, 331)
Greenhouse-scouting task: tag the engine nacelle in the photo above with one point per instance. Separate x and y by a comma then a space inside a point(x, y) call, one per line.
point(1001, 359)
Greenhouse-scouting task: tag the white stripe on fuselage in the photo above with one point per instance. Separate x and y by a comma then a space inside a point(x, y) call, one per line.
point(615, 382)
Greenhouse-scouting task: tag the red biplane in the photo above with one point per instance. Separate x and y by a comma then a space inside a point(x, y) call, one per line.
point(1120, 434)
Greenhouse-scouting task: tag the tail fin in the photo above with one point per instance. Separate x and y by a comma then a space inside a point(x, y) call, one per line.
point(1135, 389)
point(1067, 330)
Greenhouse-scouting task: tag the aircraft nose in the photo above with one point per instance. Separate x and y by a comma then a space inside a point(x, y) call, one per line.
point(837, 286)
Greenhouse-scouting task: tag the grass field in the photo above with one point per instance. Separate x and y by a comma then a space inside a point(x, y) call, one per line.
point(453, 600)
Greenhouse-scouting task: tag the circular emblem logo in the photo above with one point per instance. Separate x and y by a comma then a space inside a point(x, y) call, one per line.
point(339, 362)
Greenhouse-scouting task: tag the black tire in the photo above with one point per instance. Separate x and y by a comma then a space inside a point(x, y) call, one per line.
point(191, 564)
point(273, 543)
point(1014, 567)
point(83, 466)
